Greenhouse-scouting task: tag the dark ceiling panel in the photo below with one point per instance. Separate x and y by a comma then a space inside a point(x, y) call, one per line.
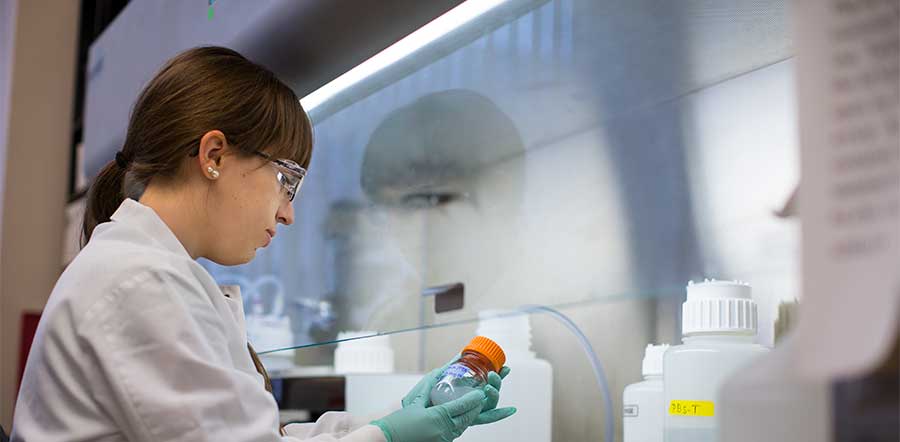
point(314, 44)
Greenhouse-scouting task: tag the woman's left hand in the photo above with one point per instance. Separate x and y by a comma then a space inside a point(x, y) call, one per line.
point(489, 412)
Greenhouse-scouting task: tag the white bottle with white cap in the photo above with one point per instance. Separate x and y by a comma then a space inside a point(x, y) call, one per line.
point(644, 406)
point(719, 329)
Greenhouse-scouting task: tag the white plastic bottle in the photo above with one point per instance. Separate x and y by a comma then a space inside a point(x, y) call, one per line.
point(644, 405)
point(719, 328)
point(529, 386)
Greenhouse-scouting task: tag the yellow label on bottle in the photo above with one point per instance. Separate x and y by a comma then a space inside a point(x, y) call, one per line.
point(692, 408)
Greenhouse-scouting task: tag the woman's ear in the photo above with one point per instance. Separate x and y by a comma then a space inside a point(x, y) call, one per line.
point(212, 150)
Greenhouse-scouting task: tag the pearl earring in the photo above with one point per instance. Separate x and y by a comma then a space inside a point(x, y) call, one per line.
point(213, 172)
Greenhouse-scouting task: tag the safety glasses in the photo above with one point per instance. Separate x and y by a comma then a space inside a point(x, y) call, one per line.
point(290, 174)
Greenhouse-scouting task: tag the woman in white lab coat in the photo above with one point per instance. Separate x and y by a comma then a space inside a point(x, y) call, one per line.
point(137, 342)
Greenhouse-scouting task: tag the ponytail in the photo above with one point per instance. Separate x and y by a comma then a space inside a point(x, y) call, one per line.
point(104, 197)
point(261, 369)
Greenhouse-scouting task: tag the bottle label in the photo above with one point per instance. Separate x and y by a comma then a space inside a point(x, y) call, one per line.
point(692, 408)
point(457, 371)
point(631, 411)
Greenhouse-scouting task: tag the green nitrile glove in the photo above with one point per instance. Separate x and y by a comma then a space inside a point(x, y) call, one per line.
point(489, 411)
point(440, 423)
point(424, 387)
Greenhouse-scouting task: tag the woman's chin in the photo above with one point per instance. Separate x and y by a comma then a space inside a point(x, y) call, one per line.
point(234, 260)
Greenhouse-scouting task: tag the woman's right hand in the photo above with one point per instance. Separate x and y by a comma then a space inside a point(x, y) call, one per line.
point(426, 384)
point(440, 423)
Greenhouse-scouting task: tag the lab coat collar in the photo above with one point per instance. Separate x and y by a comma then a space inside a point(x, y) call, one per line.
point(146, 219)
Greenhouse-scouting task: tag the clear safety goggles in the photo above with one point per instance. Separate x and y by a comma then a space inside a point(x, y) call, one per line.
point(290, 174)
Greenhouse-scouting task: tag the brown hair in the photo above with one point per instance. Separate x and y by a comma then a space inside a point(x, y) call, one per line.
point(261, 369)
point(199, 90)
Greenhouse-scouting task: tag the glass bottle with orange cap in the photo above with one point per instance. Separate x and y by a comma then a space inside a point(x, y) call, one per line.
point(470, 371)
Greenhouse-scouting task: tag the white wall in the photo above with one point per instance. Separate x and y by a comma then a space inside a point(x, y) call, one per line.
point(42, 64)
point(743, 157)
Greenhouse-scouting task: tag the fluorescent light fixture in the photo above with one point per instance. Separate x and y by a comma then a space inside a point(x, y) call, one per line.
point(434, 30)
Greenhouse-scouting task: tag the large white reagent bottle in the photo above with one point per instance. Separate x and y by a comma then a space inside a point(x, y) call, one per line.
point(719, 328)
point(644, 409)
point(529, 386)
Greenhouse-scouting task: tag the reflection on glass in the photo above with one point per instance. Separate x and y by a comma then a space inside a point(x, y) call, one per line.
point(591, 155)
point(579, 151)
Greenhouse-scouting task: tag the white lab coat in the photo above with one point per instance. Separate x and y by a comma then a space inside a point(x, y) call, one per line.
point(138, 343)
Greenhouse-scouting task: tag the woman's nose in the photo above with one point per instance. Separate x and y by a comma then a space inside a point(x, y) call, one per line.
point(285, 213)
